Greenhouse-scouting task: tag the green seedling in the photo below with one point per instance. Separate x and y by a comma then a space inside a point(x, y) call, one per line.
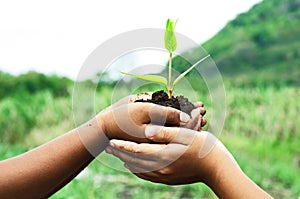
point(170, 45)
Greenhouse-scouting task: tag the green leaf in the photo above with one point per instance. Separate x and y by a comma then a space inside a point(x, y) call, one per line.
point(170, 38)
point(188, 70)
point(152, 78)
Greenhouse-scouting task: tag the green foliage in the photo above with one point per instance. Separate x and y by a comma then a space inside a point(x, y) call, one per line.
point(10, 150)
point(170, 45)
point(170, 38)
point(33, 82)
point(23, 98)
point(262, 113)
point(152, 78)
point(104, 79)
point(264, 40)
point(21, 113)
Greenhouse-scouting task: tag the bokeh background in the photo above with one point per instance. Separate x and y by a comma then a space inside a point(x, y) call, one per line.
point(256, 48)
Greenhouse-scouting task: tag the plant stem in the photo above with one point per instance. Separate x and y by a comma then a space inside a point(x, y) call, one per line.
point(170, 77)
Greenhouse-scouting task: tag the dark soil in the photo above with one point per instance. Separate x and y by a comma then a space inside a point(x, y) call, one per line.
point(178, 102)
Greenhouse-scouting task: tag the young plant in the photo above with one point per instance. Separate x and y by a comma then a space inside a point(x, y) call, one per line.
point(170, 45)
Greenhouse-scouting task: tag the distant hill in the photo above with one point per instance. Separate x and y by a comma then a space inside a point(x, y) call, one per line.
point(262, 45)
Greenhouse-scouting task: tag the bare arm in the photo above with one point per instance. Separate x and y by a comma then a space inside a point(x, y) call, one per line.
point(188, 157)
point(42, 171)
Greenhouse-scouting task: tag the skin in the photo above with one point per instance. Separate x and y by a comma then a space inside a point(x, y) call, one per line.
point(42, 171)
point(183, 156)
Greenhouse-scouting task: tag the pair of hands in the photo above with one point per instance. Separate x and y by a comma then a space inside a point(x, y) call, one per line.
point(177, 154)
point(154, 152)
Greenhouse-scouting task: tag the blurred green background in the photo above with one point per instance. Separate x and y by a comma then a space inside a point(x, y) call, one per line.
point(258, 54)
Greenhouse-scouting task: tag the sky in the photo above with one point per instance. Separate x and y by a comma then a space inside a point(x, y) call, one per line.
point(56, 37)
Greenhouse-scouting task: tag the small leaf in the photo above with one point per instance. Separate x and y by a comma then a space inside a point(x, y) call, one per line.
point(152, 78)
point(170, 38)
point(188, 70)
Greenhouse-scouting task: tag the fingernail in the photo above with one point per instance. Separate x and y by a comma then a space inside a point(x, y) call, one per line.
point(199, 104)
point(108, 150)
point(150, 131)
point(184, 117)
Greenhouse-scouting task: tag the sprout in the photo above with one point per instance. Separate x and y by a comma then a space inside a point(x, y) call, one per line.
point(170, 45)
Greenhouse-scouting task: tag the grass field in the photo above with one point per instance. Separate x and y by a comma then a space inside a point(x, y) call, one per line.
point(261, 130)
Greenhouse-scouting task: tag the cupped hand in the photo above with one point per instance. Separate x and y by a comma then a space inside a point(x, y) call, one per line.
point(127, 120)
point(189, 156)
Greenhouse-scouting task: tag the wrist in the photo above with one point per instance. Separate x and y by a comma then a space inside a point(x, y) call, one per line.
point(214, 166)
point(92, 136)
point(101, 122)
point(226, 173)
point(210, 157)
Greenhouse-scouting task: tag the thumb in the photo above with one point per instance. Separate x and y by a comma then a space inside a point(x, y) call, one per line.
point(164, 134)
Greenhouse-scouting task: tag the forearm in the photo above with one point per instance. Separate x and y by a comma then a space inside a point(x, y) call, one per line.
point(43, 170)
point(231, 182)
point(238, 185)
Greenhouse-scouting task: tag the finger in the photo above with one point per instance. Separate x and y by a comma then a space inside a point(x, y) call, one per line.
point(161, 155)
point(125, 156)
point(198, 104)
point(140, 162)
point(203, 122)
point(169, 134)
point(150, 176)
point(162, 115)
point(133, 147)
point(198, 125)
point(134, 168)
point(194, 123)
point(202, 111)
point(133, 159)
point(198, 111)
point(162, 161)
point(145, 150)
point(201, 106)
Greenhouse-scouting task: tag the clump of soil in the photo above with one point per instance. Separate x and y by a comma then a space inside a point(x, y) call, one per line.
point(178, 102)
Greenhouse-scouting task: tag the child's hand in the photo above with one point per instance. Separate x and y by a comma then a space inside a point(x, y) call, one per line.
point(189, 156)
point(127, 120)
